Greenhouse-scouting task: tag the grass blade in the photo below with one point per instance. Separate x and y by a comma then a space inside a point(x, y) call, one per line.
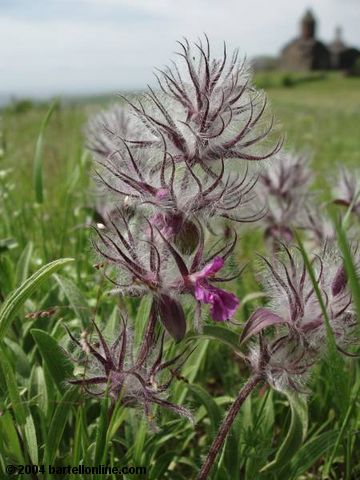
point(59, 366)
point(38, 157)
point(76, 298)
point(16, 299)
point(58, 423)
point(204, 398)
point(101, 446)
point(310, 453)
point(22, 267)
point(12, 389)
point(295, 435)
point(221, 334)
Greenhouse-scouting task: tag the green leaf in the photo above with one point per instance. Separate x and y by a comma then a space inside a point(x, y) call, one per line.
point(7, 275)
point(101, 446)
point(17, 298)
point(112, 326)
point(214, 332)
point(58, 423)
point(19, 358)
point(59, 366)
point(22, 415)
point(9, 434)
point(295, 435)
point(31, 440)
point(341, 433)
point(139, 442)
point(38, 157)
point(161, 464)
point(209, 403)
point(117, 418)
point(310, 452)
point(12, 389)
point(77, 300)
point(22, 267)
point(80, 437)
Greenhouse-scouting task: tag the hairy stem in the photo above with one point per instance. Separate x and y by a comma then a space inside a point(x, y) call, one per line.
point(226, 425)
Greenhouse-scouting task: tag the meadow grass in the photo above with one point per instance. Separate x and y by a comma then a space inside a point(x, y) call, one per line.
point(60, 426)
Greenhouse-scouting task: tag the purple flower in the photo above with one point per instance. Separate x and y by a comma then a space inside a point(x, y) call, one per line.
point(223, 304)
point(346, 192)
point(173, 151)
point(297, 319)
point(140, 381)
point(283, 187)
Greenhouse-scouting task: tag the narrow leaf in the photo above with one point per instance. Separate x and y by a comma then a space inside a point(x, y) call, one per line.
point(215, 332)
point(22, 267)
point(31, 440)
point(58, 423)
point(101, 445)
point(295, 435)
point(310, 452)
point(17, 298)
point(77, 300)
point(12, 389)
point(59, 366)
point(38, 157)
point(209, 403)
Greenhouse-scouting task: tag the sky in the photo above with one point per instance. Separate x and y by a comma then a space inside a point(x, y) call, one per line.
point(50, 47)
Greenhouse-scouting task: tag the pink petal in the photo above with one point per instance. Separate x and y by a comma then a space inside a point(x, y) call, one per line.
point(211, 268)
point(202, 293)
point(224, 304)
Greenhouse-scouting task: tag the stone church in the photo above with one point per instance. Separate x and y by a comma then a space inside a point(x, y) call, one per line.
point(306, 52)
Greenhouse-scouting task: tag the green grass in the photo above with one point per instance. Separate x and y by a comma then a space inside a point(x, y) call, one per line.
point(322, 115)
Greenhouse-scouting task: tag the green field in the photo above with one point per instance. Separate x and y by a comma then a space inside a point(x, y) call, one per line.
point(320, 115)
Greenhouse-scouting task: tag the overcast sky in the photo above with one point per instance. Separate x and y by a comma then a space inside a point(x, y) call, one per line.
point(49, 47)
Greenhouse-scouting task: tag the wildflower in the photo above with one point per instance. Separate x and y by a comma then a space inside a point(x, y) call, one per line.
point(319, 228)
point(209, 113)
point(223, 304)
point(105, 131)
point(284, 188)
point(133, 382)
point(296, 314)
point(148, 262)
point(346, 191)
point(173, 194)
point(181, 158)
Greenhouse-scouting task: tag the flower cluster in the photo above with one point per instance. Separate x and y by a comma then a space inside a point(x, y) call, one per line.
point(284, 187)
point(135, 382)
point(152, 264)
point(296, 314)
point(176, 160)
point(346, 190)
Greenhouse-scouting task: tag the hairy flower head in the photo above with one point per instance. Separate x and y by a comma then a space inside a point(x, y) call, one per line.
point(346, 189)
point(283, 186)
point(142, 380)
point(294, 311)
